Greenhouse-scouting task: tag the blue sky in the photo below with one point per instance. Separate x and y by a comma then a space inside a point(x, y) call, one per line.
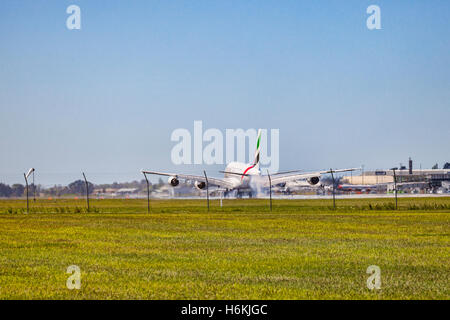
point(105, 99)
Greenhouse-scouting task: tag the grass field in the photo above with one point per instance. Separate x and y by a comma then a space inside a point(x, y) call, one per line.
point(301, 250)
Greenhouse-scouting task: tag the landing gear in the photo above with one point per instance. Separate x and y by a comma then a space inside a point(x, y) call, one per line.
point(241, 193)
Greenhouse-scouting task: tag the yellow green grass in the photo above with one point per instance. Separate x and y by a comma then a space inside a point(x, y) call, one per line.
point(301, 250)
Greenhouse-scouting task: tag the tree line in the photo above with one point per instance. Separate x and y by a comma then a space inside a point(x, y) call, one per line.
point(18, 190)
point(77, 187)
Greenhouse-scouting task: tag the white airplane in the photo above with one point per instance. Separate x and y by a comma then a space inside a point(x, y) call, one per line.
point(292, 186)
point(240, 176)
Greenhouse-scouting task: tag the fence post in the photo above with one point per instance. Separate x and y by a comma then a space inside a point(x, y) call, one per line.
point(270, 189)
point(87, 191)
point(334, 193)
point(26, 182)
point(148, 193)
point(207, 189)
point(395, 189)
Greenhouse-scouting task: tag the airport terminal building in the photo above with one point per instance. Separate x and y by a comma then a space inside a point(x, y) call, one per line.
point(407, 178)
point(433, 176)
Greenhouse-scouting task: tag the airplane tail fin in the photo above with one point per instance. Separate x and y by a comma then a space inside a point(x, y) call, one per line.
point(258, 146)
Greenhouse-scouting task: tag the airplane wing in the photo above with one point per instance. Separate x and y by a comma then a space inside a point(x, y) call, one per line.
point(211, 181)
point(301, 176)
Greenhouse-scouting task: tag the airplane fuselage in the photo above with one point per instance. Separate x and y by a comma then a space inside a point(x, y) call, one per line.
point(239, 173)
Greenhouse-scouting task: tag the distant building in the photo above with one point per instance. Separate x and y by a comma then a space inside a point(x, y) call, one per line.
point(113, 192)
point(367, 179)
point(125, 191)
point(433, 177)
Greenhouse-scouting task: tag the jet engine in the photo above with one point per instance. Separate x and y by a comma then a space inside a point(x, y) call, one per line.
point(313, 180)
point(200, 185)
point(173, 181)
